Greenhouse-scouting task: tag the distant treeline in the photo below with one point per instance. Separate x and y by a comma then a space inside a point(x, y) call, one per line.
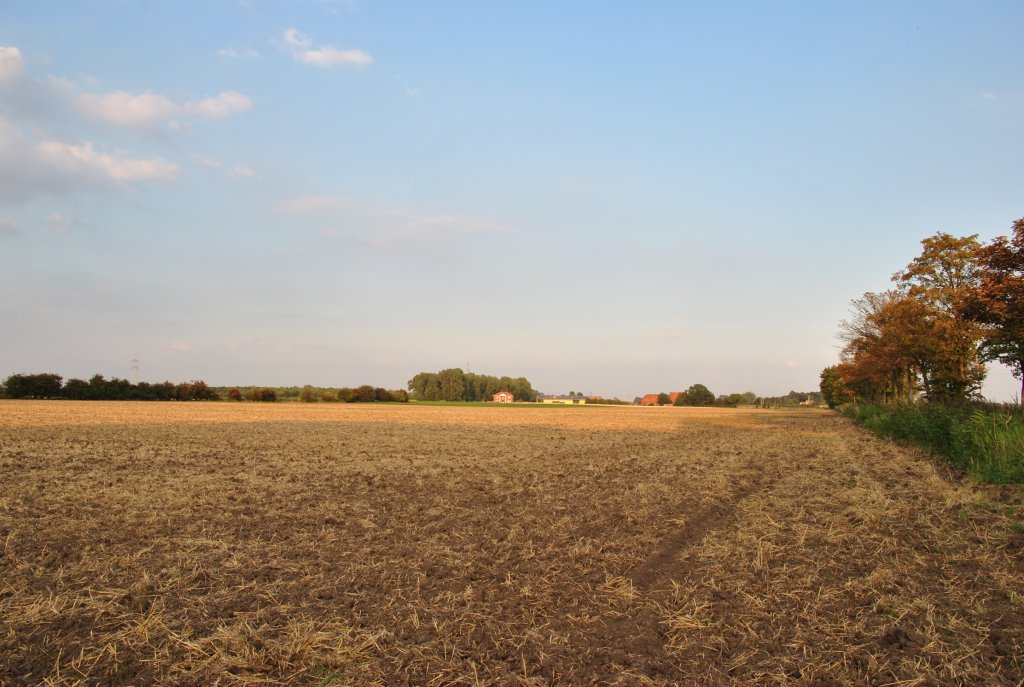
point(49, 385)
point(793, 398)
point(455, 385)
point(312, 394)
point(699, 395)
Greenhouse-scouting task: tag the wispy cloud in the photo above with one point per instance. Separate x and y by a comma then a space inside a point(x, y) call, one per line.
point(792, 363)
point(8, 227)
point(123, 108)
point(407, 88)
point(243, 172)
point(301, 48)
point(11, 64)
point(236, 172)
point(242, 54)
point(84, 161)
point(57, 222)
point(344, 218)
point(207, 162)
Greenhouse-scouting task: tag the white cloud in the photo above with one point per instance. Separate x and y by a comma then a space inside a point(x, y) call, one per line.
point(207, 162)
point(11, 64)
point(84, 161)
point(313, 204)
point(8, 227)
point(301, 49)
point(243, 54)
point(29, 167)
point(224, 105)
point(121, 107)
point(243, 172)
point(792, 363)
point(236, 172)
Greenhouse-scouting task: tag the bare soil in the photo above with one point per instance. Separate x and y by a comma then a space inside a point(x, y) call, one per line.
point(244, 544)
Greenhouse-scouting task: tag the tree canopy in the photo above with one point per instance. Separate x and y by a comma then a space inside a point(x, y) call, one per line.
point(955, 306)
point(455, 385)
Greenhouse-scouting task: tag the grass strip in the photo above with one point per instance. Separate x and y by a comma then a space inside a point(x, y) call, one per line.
point(987, 442)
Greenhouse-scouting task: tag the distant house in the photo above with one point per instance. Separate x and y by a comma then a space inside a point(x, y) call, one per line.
point(562, 400)
point(504, 397)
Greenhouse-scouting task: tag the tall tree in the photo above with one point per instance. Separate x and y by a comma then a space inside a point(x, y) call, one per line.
point(998, 301)
point(941, 279)
point(453, 384)
point(888, 345)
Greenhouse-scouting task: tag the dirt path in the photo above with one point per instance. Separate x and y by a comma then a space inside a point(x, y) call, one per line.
point(184, 544)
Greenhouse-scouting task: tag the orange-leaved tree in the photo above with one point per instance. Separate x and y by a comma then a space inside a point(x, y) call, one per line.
point(997, 302)
point(941, 281)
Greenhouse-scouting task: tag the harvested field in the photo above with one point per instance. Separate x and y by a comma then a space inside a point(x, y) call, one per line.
point(243, 544)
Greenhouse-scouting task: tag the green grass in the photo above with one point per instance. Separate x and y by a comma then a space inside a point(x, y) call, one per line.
point(987, 443)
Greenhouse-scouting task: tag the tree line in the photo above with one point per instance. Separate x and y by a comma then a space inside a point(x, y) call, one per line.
point(50, 385)
point(455, 385)
point(955, 307)
point(312, 394)
point(699, 395)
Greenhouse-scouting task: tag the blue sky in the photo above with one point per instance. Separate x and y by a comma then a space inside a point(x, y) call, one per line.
point(607, 197)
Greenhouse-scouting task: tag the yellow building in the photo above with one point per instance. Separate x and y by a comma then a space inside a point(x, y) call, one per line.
point(563, 400)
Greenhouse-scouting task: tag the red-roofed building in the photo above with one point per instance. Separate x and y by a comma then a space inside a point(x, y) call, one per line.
point(652, 399)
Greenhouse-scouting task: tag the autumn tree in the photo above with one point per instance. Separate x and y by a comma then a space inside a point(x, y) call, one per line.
point(888, 345)
point(941, 280)
point(997, 301)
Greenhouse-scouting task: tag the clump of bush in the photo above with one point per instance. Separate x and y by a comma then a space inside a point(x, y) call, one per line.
point(987, 442)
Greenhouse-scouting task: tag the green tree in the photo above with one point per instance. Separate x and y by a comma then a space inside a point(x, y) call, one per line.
point(308, 394)
point(697, 395)
point(44, 385)
point(453, 384)
point(833, 389)
point(664, 399)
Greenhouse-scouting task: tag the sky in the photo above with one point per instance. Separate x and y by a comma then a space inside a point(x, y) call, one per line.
point(606, 197)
